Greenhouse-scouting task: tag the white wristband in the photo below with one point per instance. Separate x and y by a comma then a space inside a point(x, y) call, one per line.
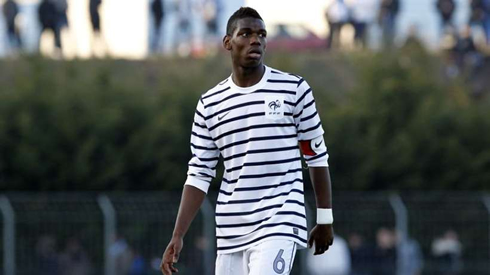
point(324, 216)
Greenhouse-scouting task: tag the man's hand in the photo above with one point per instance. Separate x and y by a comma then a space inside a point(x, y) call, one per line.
point(322, 236)
point(171, 256)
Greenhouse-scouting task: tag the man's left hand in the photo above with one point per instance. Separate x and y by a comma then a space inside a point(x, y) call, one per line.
point(322, 236)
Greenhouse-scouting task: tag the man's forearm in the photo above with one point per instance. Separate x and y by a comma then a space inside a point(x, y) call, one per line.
point(320, 179)
point(192, 199)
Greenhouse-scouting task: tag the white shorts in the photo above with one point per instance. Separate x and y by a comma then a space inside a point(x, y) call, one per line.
point(267, 258)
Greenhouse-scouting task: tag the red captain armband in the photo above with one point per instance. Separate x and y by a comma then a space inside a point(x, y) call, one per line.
point(313, 147)
point(305, 146)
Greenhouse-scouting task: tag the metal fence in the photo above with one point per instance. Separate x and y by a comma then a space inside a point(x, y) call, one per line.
point(111, 234)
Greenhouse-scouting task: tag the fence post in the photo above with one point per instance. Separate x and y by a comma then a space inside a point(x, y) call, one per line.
point(209, 233)
point(109, 213)
point(486, 202)
point(8, 236)
point(401, 220)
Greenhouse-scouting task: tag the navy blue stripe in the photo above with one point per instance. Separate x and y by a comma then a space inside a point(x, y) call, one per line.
point(205, 175)
point(257, 91)
point(199, 125)
point(223, 100)
point(231, 214)
point(199, 114)
point(260, 152)
point(316, 157)
point(275, 72)
point(262, 163)
point(309, 117)
point(241, 224)
point(275, 92)
point(201, 175)
point(205, 159)
point(295, 75)
point(262, 175)
point(300, 82)
point(255, 188)
point(234, 107)
point(204, 148)
point(216, 93)
point(291, 213)
point(201, 166)
point(261, 238)
point(311, 129)
point(282, 81)
point(256, 139)
point(261, 227)
point(260, 126)
point(201, 136)
point(298, 115)
point(235, 119)
point(303, 96)
point(260, 199)
point(309, 104)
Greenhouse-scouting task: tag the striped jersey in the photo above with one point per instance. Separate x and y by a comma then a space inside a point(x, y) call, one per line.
point(256, 131)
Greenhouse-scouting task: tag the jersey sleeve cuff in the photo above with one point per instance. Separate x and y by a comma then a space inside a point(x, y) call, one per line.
point(319, 162)
point(197, 182)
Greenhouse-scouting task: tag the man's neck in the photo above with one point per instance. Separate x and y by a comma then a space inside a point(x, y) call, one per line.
point(246, 77)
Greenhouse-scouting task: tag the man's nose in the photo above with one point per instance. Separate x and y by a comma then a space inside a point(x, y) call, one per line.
point(255, 39)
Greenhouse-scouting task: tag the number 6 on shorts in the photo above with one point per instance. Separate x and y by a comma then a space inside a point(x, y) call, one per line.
point(279, 263)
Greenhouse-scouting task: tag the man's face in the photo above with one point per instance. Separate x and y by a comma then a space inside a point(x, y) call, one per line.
point(247, 43)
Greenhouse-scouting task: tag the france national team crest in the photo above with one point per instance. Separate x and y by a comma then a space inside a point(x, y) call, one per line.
point(274, 107)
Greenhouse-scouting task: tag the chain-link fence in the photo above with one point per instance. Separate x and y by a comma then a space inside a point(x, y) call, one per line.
point(127, 233)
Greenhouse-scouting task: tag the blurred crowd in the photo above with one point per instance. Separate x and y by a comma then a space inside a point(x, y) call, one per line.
point(52, 17)
point(391, 253)
point(360, 15)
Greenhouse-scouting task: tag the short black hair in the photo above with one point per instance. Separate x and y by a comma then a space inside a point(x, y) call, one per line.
point(243, 12)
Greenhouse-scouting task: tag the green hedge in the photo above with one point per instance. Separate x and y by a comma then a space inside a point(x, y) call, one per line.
point(391, 120)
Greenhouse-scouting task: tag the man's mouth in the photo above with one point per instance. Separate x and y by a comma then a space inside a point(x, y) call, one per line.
point(255, 54)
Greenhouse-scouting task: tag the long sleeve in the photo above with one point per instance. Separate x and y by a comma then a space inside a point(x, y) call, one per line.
point(205, 153)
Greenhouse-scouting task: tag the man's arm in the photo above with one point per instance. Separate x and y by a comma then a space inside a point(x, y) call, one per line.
point(321, 234)
point(190, 203)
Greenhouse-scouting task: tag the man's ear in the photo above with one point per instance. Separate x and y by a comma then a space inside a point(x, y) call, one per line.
point(227, 42)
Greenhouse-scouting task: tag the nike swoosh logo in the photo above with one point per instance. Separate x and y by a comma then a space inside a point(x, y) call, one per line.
point(318, 144)
point(221, 117)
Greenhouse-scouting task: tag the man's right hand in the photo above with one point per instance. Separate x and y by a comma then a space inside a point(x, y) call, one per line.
point(171, 256)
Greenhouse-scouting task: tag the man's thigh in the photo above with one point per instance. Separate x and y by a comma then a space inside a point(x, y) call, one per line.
point(231, 264)
point(271, 257)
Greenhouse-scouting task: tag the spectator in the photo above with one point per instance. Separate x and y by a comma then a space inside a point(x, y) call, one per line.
point(446, 251)
point(335, 261)
point(467, 56)
point(10, 12)
point(361, 255)
point(410, 258)
point(385, 252)
point(363, 13)
point(94, 15)
point(446, 10)
point(74, 260)
point(388, 12)
point(47, 262)
point(121, 253)
point(337, 15)
point(479, 16)
point(49, 19)
point(158, 12)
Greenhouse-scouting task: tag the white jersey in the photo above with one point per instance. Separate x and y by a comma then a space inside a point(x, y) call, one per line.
point(256, 130)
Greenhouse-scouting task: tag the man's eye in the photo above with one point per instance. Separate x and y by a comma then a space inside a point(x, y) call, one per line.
point(263, 35)
point(245, 34)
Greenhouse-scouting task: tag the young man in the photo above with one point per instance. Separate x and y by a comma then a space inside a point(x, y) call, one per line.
point(255, 120)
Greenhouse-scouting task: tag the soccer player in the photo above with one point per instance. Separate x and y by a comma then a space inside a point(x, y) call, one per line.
point(255, 119)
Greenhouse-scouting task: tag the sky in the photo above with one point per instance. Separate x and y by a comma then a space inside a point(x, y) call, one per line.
point(126, 23)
